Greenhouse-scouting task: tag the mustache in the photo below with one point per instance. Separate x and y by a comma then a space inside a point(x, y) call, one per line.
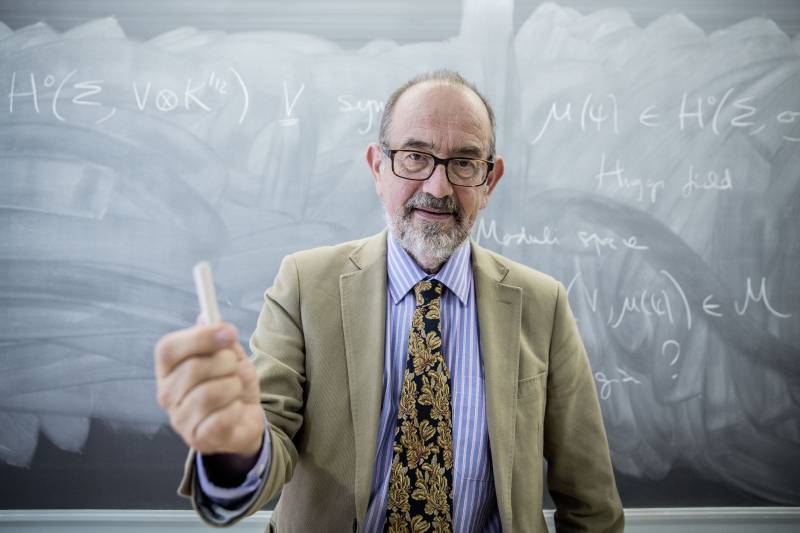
point(424, 200)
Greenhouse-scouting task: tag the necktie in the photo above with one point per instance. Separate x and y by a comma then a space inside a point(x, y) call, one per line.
point(420, 482)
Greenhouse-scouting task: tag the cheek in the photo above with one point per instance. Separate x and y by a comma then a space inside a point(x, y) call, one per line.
point(470, 200)
point(396, 193)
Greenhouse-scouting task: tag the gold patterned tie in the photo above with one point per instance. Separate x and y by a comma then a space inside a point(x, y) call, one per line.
point(420, 482)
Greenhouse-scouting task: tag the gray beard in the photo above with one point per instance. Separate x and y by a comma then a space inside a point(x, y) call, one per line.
point(430, 243)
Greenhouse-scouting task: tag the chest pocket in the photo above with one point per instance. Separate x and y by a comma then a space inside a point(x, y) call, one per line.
point(531, 388)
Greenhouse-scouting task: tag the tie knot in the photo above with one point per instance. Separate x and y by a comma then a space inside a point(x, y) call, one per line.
point(427, 290)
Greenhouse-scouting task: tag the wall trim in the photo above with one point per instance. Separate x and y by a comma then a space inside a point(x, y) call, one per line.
point(638, 519)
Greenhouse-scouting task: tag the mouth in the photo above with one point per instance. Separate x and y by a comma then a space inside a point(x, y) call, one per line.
point(432, 214)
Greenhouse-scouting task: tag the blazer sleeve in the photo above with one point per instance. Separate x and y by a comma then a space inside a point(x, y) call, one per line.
point(278, 352)
point(579, 474)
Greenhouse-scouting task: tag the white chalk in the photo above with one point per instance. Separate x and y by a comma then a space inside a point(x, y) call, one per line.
point(204, 284)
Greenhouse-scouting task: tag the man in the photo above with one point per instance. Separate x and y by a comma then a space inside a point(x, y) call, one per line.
point(408, 381)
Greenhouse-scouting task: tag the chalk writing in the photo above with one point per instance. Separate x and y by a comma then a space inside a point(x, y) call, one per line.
point(592, 112)
point(90, 92)
point(290, 120)
point(656, 303)
point(711, 308)
point(717, 106)
point(645, 302)
point(245, 93)
point(167, 100)
point(675, 347)
point(789, 117)
point(616, 175)
point(649, 118)
point(607, 382)
point(760, 297)
point(220, 85)
point(682, 294)
point(609, 241)
point(590, 297)
point(86, 89)
point(709, 181)
point(372, 108)
point(547, 237)
point(717, 113)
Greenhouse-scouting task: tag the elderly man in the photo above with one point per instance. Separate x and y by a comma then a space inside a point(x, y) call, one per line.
point(409, 381)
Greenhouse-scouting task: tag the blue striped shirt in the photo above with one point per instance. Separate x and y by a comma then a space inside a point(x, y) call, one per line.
point(474, 500)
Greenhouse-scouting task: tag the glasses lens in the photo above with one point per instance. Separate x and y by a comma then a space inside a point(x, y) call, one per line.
point(466, 171)
point(412, 165)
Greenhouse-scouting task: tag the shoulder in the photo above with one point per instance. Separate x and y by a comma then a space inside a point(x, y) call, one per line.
point(510, 272)
point(325, 261)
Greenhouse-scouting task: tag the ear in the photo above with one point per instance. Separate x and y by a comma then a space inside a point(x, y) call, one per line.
point(492, 180)
point(374, 157)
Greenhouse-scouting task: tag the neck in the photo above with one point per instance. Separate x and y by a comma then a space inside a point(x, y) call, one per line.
point(428, 264)
point(429, 256)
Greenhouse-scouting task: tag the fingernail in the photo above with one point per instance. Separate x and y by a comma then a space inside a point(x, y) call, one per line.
point(224, 335)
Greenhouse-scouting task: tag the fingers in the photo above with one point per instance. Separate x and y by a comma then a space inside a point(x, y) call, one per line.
point(175, 347)
point(192, 372)
point(200, 402)
point(236, 428)
point(251, 393)
point(205, 383)
point(214, 431)
point(239, 351)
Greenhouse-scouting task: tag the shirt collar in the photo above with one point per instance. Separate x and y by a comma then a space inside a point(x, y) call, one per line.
point(404, 272)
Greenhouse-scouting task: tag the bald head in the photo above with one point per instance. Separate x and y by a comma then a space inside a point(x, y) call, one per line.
point(446, 78)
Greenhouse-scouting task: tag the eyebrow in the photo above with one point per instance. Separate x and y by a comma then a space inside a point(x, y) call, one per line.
point(465, 151)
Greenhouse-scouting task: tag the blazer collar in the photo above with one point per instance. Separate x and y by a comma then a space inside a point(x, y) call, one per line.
point(363, 301)
point(499, 322)
point(372, 250)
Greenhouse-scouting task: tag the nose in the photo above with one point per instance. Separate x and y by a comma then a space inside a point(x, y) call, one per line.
point(437, 185)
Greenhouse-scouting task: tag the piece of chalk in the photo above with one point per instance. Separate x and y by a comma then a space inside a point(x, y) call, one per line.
point(204, 284)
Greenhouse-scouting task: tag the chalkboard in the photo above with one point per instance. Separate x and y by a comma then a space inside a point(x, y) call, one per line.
point(653, 166)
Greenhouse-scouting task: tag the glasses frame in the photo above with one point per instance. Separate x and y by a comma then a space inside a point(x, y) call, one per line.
point(436, 162)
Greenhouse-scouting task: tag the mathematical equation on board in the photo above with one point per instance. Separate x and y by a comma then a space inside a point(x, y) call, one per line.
point(665, 299)
point(663, 303)
point(48, 93)
point(719, 114)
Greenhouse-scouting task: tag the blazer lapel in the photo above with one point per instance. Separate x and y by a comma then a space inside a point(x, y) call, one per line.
point(363, 295)
point(499, 322)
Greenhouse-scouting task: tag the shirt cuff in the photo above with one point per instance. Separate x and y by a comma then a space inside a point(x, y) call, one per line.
point(255, 477)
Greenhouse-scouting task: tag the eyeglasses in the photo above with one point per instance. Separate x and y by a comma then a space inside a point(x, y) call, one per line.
point(419, 166)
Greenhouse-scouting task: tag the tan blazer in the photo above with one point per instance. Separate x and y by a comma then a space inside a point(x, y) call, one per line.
point(319, 349)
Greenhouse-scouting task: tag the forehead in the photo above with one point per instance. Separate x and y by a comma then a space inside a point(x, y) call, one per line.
point(446, 118)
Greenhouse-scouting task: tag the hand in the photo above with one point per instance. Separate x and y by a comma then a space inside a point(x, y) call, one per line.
point(209, 389)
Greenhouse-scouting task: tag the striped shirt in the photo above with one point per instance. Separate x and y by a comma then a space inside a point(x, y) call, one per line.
point(474, 500)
